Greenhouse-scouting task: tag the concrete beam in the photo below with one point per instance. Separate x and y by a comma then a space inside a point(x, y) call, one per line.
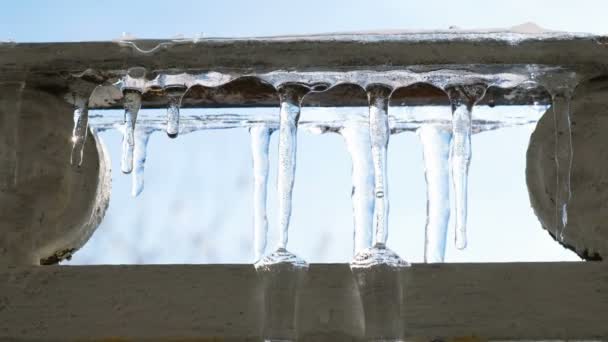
point(52, 66)
point(514, 301)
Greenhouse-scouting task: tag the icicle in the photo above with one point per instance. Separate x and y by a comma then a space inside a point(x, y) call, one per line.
point(260, 137)
point(131, 103)
point(282, 272)
point(291, 98)
point(463, 98)
point(561, 85)
point(175, 100)
point(563, 159)
point(142, 135)
point(436, 150)
point(378, 97)
point(79, 133)
point(357, 139)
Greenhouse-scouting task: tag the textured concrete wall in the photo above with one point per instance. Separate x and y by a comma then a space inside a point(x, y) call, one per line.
point(458, 302)
point(48, 208)
point(587, 230)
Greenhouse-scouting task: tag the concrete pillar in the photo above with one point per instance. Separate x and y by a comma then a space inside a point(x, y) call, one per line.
point(48, 208)
point(586, 232)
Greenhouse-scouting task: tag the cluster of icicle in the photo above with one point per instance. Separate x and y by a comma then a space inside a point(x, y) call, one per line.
point(447, 149)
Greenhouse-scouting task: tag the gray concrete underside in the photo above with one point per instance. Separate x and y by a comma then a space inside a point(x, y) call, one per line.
point(521, 301)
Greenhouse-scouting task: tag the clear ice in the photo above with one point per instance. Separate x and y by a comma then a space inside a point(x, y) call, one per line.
point(378, 97)
point(357, 139)
point(260, 138)
point(131, 104)
point(435, 139)
point(366, 136)
point(462, 98)
point(561, 85)
point(79, 133)
point(175, 100)
point(141, 135)
point(291, 98)
point(563, 160)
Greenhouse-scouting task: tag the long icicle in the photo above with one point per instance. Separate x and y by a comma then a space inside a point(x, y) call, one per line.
point(131, 104)
point(79, 133)
point(291, 97)
point(142, 135)
point(563, 159)
point(357, 139)
point(260, 138)
point(436, 151)
point(463, 98)
point(378, 97)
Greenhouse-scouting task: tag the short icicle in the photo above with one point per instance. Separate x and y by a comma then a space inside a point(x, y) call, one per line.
point(175, 100)
point(357, 139)
point(260, 138)
point(132, 104)
point(563, 159)
point(141, 135)
point(462, 98)
point(435, 141)
point(79, 133)
point(291, 96)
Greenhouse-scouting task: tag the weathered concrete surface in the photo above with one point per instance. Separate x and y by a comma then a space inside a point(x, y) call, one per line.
point(328, 51)
point(586, 232)
point(54, 65)
point(48, 209)
point(472, 302)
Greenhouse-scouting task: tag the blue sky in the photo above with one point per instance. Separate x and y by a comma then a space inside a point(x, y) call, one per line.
point(197, 207)
point(63, 20)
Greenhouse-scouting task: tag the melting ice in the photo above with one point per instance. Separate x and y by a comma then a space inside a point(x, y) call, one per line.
point(432, 123)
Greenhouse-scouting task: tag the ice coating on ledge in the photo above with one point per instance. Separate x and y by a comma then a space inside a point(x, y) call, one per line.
point(441, 78)
point(375, 256)
point(332, 119)
point(512, 35)
point(280, 256)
